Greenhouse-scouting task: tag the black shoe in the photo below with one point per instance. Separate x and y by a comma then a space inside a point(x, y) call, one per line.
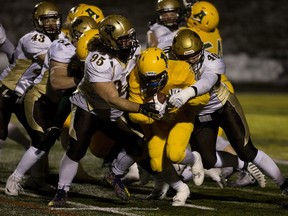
point(119, 188)
point(59, 200)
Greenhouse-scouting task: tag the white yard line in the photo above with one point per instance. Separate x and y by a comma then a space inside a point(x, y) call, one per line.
point(199, 207)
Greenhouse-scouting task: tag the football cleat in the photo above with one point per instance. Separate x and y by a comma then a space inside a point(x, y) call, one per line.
point(257, 174)
point(244, 178)
point(181, 195)
point(59, 200)
point(197, 170)
point(119, 188)
point(13, 186)
point(215, 175)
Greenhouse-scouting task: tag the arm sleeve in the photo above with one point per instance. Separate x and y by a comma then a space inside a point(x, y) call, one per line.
point(207, 81)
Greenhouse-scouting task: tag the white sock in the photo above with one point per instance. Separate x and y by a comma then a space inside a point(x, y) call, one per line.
point(268, 167)
point(122, 163)
point(189, 158)
point(30, 157)
point(171, 177)
point(67, 172)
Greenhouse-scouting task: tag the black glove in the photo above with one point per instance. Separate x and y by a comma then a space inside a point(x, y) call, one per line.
point(149, 110)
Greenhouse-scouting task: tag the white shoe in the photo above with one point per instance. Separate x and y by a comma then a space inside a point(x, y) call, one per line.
point(181, 196)
point(257, 174)
point(197, 170)
point(132, 175)
point(215, 175)
point(160, 190)
point(13, 186)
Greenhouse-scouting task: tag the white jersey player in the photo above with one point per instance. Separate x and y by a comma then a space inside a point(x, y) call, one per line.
point(162, 31)
point(223, 110)
point(28, 59)
point(99, 102)
point(44, 115)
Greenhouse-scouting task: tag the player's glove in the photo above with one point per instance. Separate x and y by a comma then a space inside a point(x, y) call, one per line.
point(149, 110)
point(180, 98)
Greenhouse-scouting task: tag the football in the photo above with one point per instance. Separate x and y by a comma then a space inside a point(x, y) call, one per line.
point(162, 98)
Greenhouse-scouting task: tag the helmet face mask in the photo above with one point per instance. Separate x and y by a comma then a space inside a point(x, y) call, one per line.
point(46, 19)
point(152, 70)
point(169, 18)
point(50, 25)
point(152, 83)
point(168, 12)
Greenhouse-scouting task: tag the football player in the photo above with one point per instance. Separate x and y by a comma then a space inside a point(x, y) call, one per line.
point(59, 77)
point(223, 110)
point(100, 102)
point(28, 59)
point(167, 137)
point(204, 19)
point(163, 29)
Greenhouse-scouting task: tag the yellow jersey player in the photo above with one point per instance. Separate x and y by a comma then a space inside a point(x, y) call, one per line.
point(168, 137)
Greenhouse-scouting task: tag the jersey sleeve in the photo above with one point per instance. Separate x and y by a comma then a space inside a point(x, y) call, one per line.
point(98, 68)
point(62, 51)
point(35, 44)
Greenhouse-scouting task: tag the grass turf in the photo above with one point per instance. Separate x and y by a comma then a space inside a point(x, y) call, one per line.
point(267, 116)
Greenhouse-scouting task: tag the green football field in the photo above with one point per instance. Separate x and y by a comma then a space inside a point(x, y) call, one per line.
point(267, 116)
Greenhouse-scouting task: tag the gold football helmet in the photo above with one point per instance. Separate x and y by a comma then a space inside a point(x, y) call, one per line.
point(188, 46)
point(80, 25)
point(42, 15)
point(204, 16)
point(82, 48)
point(168, 12)
point(117, 33)
point(152, 66)
point(85, 10)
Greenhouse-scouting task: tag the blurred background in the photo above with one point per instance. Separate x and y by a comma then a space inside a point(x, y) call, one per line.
point(254, 33)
